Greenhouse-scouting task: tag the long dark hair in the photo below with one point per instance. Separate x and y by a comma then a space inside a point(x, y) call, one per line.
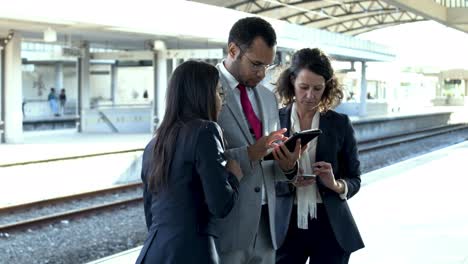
point(191, 94)
point(314, 60)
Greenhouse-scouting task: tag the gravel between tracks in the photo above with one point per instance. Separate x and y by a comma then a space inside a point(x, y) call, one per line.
point(77, 241)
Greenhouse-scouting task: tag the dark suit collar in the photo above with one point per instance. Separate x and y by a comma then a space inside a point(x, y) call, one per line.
point(324, 139)
point(285, 118)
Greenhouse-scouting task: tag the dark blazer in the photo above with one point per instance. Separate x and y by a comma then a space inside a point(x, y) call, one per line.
point(180, 217)
point(337, 146)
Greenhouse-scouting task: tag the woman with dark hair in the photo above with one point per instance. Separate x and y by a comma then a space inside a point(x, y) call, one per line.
point(313, 218)
point(187, 180)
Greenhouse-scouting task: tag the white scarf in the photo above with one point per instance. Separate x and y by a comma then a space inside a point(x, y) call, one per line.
point(306, 196)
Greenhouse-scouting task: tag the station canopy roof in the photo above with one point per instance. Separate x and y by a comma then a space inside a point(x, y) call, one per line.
point(346, 17)
point(354, 17)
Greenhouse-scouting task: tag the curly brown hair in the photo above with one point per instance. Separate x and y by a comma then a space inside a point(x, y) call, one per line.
point(316, 61)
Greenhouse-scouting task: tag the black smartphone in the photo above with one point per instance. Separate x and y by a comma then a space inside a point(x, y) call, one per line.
point(306, 177)
point(305, 135)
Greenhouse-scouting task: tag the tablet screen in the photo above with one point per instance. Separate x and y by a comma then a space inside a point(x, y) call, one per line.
point(305, 135)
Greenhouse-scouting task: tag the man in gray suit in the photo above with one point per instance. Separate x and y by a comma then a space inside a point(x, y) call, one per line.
point(250, 123)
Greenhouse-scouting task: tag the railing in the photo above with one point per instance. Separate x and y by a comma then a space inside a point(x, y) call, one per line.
point(453, 3)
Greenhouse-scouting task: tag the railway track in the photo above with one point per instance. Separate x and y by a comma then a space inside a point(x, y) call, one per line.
point(390, 141)
point(68, 207)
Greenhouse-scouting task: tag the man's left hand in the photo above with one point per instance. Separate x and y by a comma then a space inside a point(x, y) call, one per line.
point(286, 159)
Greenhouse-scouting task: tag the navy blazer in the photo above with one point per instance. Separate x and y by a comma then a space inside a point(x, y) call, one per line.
point(180, 217)
point(337, 146)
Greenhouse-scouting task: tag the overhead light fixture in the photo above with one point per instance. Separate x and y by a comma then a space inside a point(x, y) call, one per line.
point(50, 35)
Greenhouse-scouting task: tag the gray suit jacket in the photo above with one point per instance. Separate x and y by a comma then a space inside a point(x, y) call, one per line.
point(237, 230)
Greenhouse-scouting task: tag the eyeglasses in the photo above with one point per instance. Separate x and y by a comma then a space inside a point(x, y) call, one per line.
point(256, 66)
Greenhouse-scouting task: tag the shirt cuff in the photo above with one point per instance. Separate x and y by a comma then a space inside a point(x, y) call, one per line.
point(292, 172)
point(344, 196)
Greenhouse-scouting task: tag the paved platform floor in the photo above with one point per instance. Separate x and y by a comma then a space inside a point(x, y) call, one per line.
point(39, 145)
point(416, 211)
point(413, 212)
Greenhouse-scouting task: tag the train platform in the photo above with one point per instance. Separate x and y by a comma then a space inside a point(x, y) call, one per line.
point(47, 165)
point(52, 144)
point(412, 212)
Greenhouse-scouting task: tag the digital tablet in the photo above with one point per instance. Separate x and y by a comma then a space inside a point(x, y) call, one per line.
point(305, 135)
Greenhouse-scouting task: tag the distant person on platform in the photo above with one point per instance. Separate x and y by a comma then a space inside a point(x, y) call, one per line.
point(22, 107)
point(250, 123)
point(188, 182)
point(313, 218)
point(63, 101)
point(52, 99)
point(145, 95)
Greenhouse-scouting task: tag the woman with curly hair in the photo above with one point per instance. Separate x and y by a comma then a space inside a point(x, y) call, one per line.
point(313, 218)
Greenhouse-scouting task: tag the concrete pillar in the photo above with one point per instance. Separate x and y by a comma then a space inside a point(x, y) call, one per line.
point(83, 85)
point(175, 63)
point(160, 83)
point(58, 77)
point(363, 101)
point(113, 73)
point(2, 92)
point(154, 114)
point(13, 117)
point(466, 87)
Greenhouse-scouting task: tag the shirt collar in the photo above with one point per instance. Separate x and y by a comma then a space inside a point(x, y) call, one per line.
point(295, 122)
point(231, 80)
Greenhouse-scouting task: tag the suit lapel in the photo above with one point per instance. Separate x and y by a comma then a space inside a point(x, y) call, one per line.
point(322, 140)
point(285, 119)
point(233, 107)
point(261, 108)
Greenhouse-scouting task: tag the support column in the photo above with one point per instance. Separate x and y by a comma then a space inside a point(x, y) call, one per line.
point(160, 82)
point(175, 63)
point(466, 87)
point(83, 85)
point(363, 101)
point(154, 113)
point(2, 92)
point(13, 117)
point(58, 76)
point(114, 76)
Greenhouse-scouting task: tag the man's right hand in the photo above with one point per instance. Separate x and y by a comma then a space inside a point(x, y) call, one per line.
point(258, 150)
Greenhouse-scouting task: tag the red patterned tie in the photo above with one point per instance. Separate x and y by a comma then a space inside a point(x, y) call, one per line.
point(254, 122)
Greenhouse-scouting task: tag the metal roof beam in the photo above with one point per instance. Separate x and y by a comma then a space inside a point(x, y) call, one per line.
point(370, 13)
point(351, 11)
point(380, 24)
